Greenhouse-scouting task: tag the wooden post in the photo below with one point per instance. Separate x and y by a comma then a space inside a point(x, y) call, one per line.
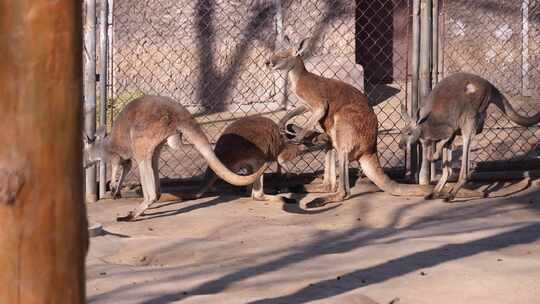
point(103, 58)
point(43, 235)
point(90, 91)
point(415, 70)
point(425, 74)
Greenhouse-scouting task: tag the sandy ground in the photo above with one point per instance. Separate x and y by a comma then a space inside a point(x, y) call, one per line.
point(231, 249)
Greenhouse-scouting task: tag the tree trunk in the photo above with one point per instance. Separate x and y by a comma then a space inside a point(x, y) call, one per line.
point(43, 225)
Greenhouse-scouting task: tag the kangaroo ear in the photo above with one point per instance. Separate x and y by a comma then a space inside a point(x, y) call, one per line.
point(101, 132)
point(86, 139)
point(302, 46)
point(423, 113)
point(286, 40)
point(406, 117)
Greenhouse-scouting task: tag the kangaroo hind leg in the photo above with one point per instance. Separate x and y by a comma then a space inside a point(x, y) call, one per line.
point(150, 186)
point(468, 132)
point(342, 184)
point(257, 192)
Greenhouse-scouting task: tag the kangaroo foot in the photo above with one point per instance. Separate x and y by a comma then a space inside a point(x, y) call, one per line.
point(116, 193)
point(134, 214)
point(323, 201)
point(273, 198)
point(128, 218)
point(432, 196)
point(448, 197)
point(318, 188)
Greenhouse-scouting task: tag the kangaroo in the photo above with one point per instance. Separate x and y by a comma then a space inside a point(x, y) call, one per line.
point(139, 131)
point(250, 142)
point(344, 114)
point(457, 104)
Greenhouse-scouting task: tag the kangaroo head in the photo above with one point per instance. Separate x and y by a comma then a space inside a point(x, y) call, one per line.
point(287, 57)
point(94, 148)
point(411, 132)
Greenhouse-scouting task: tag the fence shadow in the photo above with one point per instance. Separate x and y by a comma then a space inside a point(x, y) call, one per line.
point(358, 237)
point(407, 264)
point(214, 86)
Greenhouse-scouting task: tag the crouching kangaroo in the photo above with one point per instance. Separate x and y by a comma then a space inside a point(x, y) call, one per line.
point(457, 104)
point(139, 131)
point(249, 143)
point(346, 117)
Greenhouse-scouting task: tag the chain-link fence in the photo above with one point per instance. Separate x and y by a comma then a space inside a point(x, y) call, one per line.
point(499, 40)
point(209, 55)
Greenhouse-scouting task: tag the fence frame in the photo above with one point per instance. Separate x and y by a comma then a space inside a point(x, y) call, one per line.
point(425, 54)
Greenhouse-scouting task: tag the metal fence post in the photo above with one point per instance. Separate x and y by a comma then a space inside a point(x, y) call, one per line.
point(90, 91)
point(525, 49)
point(281, 82)
point(425, 74)
point(415, 65)
point(103, 58)
point(435, 58)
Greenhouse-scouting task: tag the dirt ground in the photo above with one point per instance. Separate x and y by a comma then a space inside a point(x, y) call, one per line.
point(230, 249)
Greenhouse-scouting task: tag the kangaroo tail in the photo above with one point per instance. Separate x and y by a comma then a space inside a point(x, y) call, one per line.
point(195, 135)
point(372, 169)
point(504, 105)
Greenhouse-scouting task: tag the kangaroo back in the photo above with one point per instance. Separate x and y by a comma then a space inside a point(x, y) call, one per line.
point(249, 138)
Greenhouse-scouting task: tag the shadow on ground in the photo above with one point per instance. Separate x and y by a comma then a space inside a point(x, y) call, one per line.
point(454, 218)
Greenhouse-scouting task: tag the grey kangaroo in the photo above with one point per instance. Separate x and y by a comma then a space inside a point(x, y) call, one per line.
point(346, 117)
point(457, 104)
point(250, 142)
point(139, 131)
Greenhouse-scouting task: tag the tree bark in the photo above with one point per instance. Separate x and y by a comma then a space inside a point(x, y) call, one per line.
point(43, 225)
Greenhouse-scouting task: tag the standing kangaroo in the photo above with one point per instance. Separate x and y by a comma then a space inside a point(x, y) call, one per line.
point(138, 133)
point(457, 104)
point(249, 143)
point(346, 117)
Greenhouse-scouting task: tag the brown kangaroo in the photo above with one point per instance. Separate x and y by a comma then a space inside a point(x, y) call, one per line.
point(139, 131)
point(457, 104)
point(250, 142)
point(346, 117)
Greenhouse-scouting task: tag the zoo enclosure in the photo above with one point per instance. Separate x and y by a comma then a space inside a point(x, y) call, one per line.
point(209, 55)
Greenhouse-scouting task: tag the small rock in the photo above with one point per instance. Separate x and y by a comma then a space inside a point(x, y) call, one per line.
point(423, 273)
point(499, 260)
point(102, 273)
point(150, 229)
point(338, 278)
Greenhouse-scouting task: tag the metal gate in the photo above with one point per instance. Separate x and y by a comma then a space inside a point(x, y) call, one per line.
point(209, 55)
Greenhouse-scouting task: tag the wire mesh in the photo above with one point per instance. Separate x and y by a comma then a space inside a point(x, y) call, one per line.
point(498, 40)
point(209, 55)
